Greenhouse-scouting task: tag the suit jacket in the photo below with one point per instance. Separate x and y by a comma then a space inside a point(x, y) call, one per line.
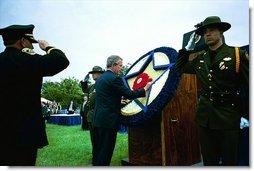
point(21, 76)
point(109, 91)
point(73, 107)
point(83, 110)
point(223, 112)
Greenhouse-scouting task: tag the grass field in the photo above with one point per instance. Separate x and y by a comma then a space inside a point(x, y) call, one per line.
point(71, 146)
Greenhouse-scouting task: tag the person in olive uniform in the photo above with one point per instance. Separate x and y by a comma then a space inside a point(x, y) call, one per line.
point(96, 73)
point(90, 90)
point(221, 75)
point(106, 117)
point(22, 128)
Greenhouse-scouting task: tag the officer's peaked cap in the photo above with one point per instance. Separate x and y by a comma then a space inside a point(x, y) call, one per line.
point(16, 32)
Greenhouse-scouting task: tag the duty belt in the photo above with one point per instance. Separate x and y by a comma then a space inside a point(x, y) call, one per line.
point(220, 97)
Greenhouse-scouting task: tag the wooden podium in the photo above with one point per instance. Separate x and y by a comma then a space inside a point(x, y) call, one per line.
point(171, 139)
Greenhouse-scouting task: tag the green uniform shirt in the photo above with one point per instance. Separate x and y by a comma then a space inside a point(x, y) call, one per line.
point(217, 107)
point(91, 103)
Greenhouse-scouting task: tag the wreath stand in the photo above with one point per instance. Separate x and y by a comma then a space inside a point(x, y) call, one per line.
point(172, 138)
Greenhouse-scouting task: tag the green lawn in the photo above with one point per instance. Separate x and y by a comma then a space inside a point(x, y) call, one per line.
point(71, 146)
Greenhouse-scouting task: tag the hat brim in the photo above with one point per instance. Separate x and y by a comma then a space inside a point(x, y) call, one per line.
point(91, 72)
point(31, 39)
point(222, 26)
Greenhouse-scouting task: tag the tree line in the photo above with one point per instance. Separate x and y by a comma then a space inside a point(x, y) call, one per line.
point(68, 89)
point(63, 92)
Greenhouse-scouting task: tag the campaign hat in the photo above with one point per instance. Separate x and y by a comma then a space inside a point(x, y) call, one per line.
point(212, 22)
point(13, 33)
point(96, 69)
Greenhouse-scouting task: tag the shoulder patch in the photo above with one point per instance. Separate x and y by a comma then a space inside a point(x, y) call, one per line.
point(28, 51)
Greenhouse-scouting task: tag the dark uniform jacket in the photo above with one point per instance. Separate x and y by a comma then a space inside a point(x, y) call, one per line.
point(109, 91)
point(21, 73)
point(218, 103)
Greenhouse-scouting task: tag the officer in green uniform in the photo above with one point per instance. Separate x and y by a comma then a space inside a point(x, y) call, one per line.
point(90, 90)
point(221, 73)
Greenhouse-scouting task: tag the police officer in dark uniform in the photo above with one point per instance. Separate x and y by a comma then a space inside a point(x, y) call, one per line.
point(221, 73)
point(22, 127)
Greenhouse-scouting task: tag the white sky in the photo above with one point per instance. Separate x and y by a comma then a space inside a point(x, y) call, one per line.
point(89, 31)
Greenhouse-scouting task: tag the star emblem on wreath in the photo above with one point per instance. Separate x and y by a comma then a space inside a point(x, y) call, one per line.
point(151, 67)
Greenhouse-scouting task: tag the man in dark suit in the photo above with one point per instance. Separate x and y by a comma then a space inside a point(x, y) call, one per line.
point(105, 122)
point(71, 107)
point(83, 113)
point(22, 129)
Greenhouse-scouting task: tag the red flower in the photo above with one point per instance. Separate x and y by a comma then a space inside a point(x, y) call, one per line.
point(141, 81)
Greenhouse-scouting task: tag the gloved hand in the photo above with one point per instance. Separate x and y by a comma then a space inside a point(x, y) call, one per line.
point(84, 83)
point(191, 43)
point(244, 123)
point(87, 77)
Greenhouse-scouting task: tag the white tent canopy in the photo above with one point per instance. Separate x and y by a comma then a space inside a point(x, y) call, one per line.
point(45, 100)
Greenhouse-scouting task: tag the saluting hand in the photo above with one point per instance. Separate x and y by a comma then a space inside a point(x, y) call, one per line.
point(43, 44)
point(191, 43)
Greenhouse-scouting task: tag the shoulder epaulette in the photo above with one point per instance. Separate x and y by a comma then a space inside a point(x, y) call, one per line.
point(28, 51)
